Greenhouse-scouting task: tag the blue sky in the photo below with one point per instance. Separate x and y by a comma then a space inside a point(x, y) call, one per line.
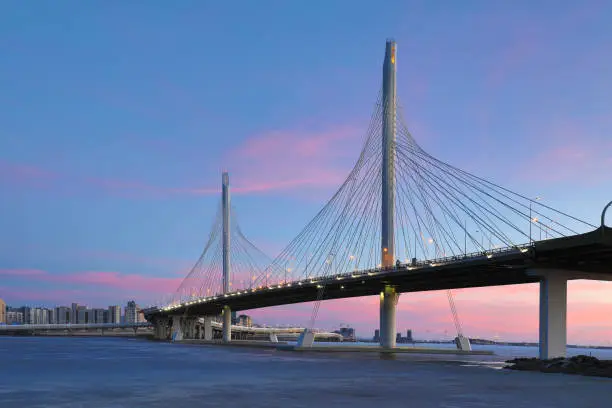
point(117, 118)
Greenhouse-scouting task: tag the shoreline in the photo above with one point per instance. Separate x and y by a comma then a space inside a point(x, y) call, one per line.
point(578, 365)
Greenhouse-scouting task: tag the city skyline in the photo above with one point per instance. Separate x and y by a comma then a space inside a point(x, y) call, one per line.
point(115, 200)
point(75, 313)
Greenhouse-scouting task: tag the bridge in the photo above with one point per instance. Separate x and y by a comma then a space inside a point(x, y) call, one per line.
point(245, 332)
point(403, 221)
point(69, 327)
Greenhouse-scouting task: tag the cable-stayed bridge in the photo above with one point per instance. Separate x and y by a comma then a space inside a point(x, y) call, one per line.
point(402, 221)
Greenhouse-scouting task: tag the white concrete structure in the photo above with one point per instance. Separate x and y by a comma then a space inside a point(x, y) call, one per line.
point(306, 338)
point(227, 324)
point(553, 315)
point(388, 304)
point(388, 299)
point(208, 329)
point(463, 343)
point(225, 200)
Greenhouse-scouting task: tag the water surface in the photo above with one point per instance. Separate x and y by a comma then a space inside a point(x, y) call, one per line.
point(119, 372)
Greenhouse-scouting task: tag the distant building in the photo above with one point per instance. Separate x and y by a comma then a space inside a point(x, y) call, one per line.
point(348, 333)
point(245, 320)
point(377, 336)
point(82, 315)
point(114, 314)
point(131, 314)
point(63, 315)
point(2, 311)
point(140, 317)
point(97, 315)
point(14, 317)
point(75, 313)
point(409, 336)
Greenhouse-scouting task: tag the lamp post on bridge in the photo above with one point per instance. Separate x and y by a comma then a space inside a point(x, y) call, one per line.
point(531, 218)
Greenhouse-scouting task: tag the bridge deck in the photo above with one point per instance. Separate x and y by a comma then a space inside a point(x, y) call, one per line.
point(590, 252)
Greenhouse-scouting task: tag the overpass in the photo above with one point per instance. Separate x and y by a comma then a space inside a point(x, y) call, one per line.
point(69, 327)
point(244, 332)
point(403, 221)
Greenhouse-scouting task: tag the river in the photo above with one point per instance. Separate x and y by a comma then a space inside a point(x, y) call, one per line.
point(124, 372)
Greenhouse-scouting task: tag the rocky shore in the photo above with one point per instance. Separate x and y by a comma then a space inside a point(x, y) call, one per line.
point(583, 365)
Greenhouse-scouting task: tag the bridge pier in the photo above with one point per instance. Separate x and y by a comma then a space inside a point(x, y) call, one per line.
point(553, 315)
point(388, 304)
point(177, 329)
point(227, 324)
point(207, 329)
point(160, 328)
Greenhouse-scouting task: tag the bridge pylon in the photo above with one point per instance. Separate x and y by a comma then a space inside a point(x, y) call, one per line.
point(388, 297)
point(225, 202)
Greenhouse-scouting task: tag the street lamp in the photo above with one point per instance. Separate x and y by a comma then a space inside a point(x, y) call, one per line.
point(531, 218)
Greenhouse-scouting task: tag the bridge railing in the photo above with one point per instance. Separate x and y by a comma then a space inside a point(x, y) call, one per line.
point(321, 280)
point(73, 326)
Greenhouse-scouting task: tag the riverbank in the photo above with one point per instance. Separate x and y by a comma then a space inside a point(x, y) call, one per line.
point(581, 365)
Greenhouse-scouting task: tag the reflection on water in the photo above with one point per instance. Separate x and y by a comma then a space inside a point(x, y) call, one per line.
point(112, 372)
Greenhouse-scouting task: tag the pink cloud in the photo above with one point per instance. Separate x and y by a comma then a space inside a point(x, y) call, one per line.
point(297, 158)
point(181, 265)
point(25, 174)
point(150, 285)
point(35, 297)
point(570, 150)
point(278, 160)
point(22, 272)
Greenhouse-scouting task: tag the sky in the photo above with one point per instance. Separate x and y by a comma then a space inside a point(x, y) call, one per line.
point(117, 119)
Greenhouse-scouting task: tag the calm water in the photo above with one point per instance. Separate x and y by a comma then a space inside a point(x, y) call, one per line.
point(115, 372)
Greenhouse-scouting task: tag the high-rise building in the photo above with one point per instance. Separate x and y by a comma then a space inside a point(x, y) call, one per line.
point(348, 333)
point(409, 336)
point(245, 320)
point(140, 315)
point(75, 313)
point(63, 315)
point(376, 335)
point(114, 314)
point(14, 317)
point(85, 316)
point(2, 311)
point(97, 315)
point(131, 314)
point(50, 315)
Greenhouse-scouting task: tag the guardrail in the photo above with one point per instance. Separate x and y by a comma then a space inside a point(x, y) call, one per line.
point(70, 326)
point(323, 280)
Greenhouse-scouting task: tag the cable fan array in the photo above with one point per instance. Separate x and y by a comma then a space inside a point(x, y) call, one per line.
point(440, 211)
point(206, 277)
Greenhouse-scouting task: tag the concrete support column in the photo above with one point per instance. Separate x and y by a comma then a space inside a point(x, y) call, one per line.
point(208, 330)
point(227, 324)
point(553, 316)
point(388, 304)
point(177, 329)
point(188, 327)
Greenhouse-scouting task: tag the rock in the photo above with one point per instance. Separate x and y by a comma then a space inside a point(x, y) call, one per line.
point(584, 365)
